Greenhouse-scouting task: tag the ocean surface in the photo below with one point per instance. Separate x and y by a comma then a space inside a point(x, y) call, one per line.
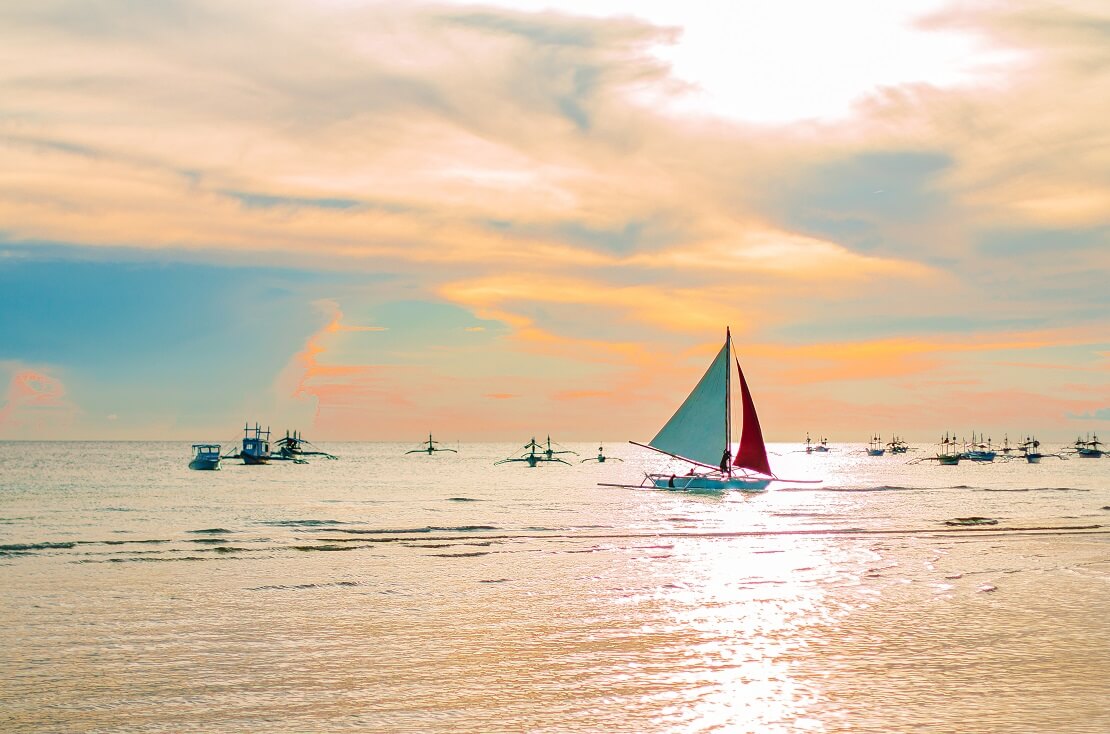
point(391, 593)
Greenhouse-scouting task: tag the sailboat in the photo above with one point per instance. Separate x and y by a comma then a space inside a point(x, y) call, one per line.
point(700, 434)
point(429, 447)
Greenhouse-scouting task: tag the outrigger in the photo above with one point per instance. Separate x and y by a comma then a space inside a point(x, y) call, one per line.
point(429, 448)
point(601, 458)
point(537, 454)
point(292, 448)
point(701, 430)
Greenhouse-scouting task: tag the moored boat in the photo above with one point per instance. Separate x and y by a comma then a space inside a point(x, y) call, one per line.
point(537, 455)
point(256, 445)
point(876, 448)
point(430, 447)
point(205, 456)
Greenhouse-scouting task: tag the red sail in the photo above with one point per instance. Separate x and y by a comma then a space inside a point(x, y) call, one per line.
point(752, 453)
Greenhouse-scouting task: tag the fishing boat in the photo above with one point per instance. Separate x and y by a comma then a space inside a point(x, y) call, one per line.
point(1089, 449)
point(538, 454)
point(256, 445)
point(819, 448)
point(876, 448)
point(897, 446)
point(1031, 448)
point(205, 456)
point(294, 447)
point(948, 455)
point(430, 447)
point(979, 451)
point(700, 435)
point(601, 458)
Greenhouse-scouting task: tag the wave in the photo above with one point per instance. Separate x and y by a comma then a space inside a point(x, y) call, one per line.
point(425, 529)
point(210, 531)
point(27, 547)
point(296, 587)
point(463, 499)
point(300, 523)
point(326, 547)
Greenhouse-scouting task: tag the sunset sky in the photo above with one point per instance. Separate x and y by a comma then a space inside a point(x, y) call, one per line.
point(371, 220)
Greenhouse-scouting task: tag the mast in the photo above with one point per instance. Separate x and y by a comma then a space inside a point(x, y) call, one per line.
point(728, 402)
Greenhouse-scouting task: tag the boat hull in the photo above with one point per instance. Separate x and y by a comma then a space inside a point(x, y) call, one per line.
point(948, 460)
point(701, 483)
point(205, 464)
point(254, 460)
point(1090, 453)
point(980, 456)
point(875, 452)
point(1033, 458)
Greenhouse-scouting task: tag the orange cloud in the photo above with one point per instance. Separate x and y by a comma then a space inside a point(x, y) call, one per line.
point(35, 405)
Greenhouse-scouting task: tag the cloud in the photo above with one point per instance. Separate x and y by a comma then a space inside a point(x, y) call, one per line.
point(1101, 414)
point(35, 405)
point(539, 170)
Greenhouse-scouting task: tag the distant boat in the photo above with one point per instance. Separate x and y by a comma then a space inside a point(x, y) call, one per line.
point(1031, 447)
point(812, 447)
point(897, 445)
point(875, 448)
point(979, 451)
point(948, 455)
point(537, 454)
point(256, 445)
point(1089, 449)
point(205, 456)
point(294, 447)
point(429, 448)
point(700, 431)
point(601, 458)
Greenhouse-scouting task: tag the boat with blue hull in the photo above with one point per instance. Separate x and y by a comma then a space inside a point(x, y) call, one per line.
point(205, 456)
point(876, 448)
point(700, 431)
point(256, 445)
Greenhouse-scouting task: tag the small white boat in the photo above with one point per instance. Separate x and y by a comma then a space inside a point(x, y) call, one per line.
point(205, 456)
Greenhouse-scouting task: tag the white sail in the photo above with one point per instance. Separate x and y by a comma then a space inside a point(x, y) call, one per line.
point(697, 429)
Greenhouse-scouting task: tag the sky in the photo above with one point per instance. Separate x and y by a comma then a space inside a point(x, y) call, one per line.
point(372, 220)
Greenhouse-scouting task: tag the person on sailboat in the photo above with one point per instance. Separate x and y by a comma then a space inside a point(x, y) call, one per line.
point(725, 460)
point(670, 482)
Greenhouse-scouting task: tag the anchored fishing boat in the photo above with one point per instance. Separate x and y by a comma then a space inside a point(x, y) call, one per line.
point(897, 445)
point(294, 447)
point(978, 451)
point(601, 458)
point(819, 448)
point(700, 434)
point(876, 448)
point(1089, 449)
point(430, 447)
point(256, 445)
point(537, 454)
point(205, 456)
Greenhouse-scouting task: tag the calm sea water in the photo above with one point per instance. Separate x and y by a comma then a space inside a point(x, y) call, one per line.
point(384, 592)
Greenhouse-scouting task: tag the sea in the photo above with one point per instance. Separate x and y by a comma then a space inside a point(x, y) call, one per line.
point(393, 592)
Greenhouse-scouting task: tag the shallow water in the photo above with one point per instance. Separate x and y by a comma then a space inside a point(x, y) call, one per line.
point(384, 592)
